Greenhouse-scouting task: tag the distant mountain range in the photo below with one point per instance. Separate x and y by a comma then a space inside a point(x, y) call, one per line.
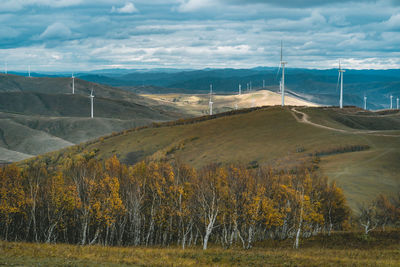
point(320, 86)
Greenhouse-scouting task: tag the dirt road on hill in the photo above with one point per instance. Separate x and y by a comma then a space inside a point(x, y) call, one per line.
point(305, 118)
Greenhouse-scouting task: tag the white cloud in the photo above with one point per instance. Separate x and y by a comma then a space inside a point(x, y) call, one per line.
point(15, 5)
point(128, 8)
point(194, 5)
point(338, 19)
point(56, 56)
point(56, 31)
point(393, 21)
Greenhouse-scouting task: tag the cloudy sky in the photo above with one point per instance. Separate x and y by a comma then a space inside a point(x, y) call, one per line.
point(78, 35)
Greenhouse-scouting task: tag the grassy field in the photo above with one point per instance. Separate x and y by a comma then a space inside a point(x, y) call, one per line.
point(262, 135)
point(347, 249)
point(364, 174)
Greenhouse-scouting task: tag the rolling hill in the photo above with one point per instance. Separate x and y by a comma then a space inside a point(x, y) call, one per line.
point(38, 115)
point(362, 157)
point(62, 85)
point(33, 103)
point(198, 104)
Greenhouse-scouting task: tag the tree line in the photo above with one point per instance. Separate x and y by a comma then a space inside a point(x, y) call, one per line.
point(86, 201)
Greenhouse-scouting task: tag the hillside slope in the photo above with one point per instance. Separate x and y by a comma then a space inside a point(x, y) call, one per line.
point(78, 106)
point(38, 115)
point(61, 85)
point(274, 136)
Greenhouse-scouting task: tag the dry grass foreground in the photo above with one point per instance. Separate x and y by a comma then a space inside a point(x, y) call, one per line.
point(347, 249)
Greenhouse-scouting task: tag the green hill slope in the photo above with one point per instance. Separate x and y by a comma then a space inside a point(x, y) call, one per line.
point(275, 136)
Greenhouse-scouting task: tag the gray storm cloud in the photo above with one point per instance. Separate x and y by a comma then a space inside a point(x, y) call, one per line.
point(88, 34)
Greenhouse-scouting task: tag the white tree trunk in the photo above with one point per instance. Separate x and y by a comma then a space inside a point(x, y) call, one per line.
point(209, 229)
point(296, 244)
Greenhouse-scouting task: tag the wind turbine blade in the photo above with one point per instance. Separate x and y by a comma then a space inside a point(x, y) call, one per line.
point(338, 80)
point(277, 73)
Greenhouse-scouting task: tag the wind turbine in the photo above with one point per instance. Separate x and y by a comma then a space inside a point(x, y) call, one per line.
point(341, 85)
point(240, 89)
point(391, 102)
point(73, 84)
point(365, 103)
point(29, 71)
point(210, 103)
point(397, 100)
point(91, 103)
point(282, 65)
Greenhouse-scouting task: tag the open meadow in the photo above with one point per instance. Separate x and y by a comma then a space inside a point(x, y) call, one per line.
point(340, 249)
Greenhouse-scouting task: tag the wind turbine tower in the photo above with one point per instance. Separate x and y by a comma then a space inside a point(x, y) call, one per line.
point(341, 85)
point(283, 63)
point(29, 71)
point(365, 103)
point(5, 67)
point(210, 103)
point(91, 103)
point(391, 102)
point(73, 84)
point(240, 89)
point(397, 100)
